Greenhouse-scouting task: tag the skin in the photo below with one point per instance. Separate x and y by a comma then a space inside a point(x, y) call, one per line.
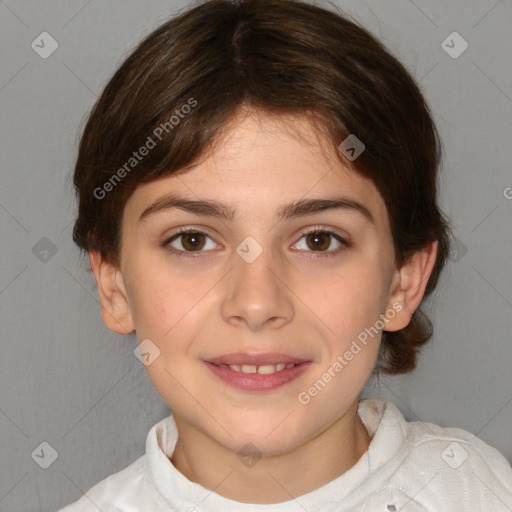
point(313, 308)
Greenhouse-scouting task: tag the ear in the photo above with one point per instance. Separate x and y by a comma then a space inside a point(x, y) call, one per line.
point(408, 286)
point(115, 309)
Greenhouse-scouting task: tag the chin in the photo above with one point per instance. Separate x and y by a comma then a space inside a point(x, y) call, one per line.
point(262, 447)
point(273, 440)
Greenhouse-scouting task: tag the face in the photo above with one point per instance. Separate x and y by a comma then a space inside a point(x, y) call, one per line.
point(304, 284)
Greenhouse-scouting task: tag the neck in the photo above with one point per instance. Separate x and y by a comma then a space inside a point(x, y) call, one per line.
point(274, 478)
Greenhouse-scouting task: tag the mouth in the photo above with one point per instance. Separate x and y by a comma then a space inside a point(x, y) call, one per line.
point(255, 359)
point(264, 369)
point(263, 372)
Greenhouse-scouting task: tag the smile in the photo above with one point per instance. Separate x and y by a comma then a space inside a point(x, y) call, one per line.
point(262, 369)
point(265, 377)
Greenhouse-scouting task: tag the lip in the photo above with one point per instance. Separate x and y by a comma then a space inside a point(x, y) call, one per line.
point(255, 359)
point(257, 382)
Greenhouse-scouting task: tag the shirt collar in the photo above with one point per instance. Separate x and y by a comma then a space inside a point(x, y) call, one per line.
point(382, 419)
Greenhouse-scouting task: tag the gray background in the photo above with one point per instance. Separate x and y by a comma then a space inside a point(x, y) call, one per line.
point(69, 381)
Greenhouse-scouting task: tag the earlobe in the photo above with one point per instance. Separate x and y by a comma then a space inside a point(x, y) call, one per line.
point(408, 286)
point(115, 308)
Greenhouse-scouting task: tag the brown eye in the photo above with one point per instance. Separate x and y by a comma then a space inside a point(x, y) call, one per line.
point(189, 241)
point(318, 241)
point(192, 241)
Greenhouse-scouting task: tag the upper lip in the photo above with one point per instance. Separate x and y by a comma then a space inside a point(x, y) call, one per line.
point(255, 359)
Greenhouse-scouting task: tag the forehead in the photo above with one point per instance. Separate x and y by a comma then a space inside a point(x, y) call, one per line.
point(261, 162)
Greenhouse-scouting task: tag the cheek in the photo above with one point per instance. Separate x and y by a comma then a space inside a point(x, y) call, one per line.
point(156, 301)
point(167, 307)
point(348, 301)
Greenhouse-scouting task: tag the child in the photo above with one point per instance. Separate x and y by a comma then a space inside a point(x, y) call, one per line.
point(257, 194)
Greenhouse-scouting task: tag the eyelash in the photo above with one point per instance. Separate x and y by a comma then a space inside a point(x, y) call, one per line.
point(318, 230)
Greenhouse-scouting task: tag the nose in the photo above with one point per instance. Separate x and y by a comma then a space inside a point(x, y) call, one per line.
point(256, 294)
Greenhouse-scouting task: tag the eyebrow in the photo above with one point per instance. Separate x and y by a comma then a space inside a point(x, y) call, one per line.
point(299, 208)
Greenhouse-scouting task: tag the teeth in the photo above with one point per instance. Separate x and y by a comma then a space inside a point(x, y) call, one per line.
point(263, 369)
point(267, 368)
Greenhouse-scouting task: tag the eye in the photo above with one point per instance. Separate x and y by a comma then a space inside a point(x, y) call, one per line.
point(191, 240)
point(319, 240)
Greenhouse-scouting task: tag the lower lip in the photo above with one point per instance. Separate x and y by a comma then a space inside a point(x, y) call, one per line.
point(256, 381)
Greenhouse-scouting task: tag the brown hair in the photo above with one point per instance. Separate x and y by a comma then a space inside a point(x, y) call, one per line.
point(282, 57)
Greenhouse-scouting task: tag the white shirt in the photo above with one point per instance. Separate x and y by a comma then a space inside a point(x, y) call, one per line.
point(409, 467)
